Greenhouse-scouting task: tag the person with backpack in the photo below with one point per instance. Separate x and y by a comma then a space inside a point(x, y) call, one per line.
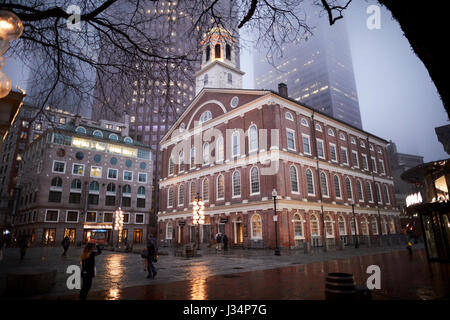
point(88, 268)
point(219, 241)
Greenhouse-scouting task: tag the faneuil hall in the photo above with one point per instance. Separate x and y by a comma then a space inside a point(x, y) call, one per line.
point(244, 151)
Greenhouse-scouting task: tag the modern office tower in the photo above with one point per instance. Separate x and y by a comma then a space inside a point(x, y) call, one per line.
point(152, 112)
point(318, 71)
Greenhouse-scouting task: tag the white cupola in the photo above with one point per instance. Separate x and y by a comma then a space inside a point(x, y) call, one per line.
point(218, 68)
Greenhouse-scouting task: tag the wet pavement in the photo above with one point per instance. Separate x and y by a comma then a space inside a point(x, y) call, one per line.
point(239, 274)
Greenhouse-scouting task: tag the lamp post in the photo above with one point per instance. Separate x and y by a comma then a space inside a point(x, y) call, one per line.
point(275, 218)
point(198, 211)
point(354, 223)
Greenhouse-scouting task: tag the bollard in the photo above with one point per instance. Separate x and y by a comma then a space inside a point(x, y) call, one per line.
point(339, 286)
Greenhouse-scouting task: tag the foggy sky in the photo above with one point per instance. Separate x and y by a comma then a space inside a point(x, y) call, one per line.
point(397, 98)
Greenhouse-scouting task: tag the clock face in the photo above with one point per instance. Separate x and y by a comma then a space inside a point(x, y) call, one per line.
point(234, 102)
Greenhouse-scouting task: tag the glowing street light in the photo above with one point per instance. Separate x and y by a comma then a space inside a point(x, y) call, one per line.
point(118, 223)
point(198, 211)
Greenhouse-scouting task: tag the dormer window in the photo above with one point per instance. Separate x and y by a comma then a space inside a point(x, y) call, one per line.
point(128, 140)
point(97, 133)
point(228, 52)
point(113, 136)
point(217, 51)
point(207, 115)
point(208, 53)
point(80, 130)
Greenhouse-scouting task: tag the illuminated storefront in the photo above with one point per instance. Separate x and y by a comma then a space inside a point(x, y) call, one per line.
point(433, 207)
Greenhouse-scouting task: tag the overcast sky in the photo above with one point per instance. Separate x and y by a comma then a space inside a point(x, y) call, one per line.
point(397, 98)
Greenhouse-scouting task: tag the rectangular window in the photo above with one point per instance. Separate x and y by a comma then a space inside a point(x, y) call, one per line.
point(382, 170)
point(139, 218)
point(333, 152)
point(355, 159)
point(365, 163)
point(110, 201)
point(142, 177)
point(320, 151)
point(374, 164)
point(112, 174)
point(126, 202)
point(91, 216)
point(93, 199)
point(75, 197)
point(72, 216)
point(52, 216)
point(108, 217)
point(140, 203)
point(78, 169)
point(344, 157)
point(96, 172)
point(59, 166)
point(126, 218)
point(306, 145)
point(48, 235)
point(128, 176)
point(290, 134)
point(54, 196)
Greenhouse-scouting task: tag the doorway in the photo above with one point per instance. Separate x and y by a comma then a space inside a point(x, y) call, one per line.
point(238, 232)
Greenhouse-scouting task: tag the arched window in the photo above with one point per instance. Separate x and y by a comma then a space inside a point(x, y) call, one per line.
point(128, 140)
point(342, 136)
point(230, 78)
point(386, 194)
point(331, 132)
point(391, 226)
point(337, 187)
point(205, 79)
point(220, 154)
point(298, 226)
point(341, 225)
point(97, 133)
point(169, 230)
point(289, 116)
point(181, 162)
point(318, 128)
point(171, 165)
point(56, 182)
point(206, 153)
point(304, 122)
point(369, 191)
point(352, 224)
point(256, 226)
point(205, 189)
point(113, 137)
point(111, 187)
point(309, 182)
point(235, 143)
point(329, 226)
point(324, 184)
point(192, 157)
point(362, 144)
point(253, 138)
point(378, 193)
point(348, 187)
point(207, 115)
point(76, 184)
point(193, 192)
point(220, 187)
point(359, 190)
point(228, 52)
point(374, 225)
point(236, 184)
point(217, 51)
point(94, 186)
point(208, 53)
point(80, 130)
point(141, 191)
point(181, 195)
point(294, 178)
point(314, 225)
point(170, 198)
point(352, 140)
point(126, 190)
point(254, 180)
point(364, 226)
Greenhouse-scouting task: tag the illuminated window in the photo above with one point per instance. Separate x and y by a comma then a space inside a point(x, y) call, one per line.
point(96, 172)
point(220, 187)
point(78, 169)
point(256, 226)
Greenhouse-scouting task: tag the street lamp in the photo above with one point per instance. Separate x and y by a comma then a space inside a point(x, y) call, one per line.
point(275, 218)
point(354, 223)
point(198, 212)
point(118, 223)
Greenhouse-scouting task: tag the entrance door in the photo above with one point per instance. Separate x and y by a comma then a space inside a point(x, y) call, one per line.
point(137, 236)
point(180, 235)
point(238, 233)
point(206, 233)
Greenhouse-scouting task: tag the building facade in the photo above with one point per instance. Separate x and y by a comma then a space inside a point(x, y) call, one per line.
point(73, 179)
point(232, 147)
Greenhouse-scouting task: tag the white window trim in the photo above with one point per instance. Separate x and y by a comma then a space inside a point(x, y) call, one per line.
point(318, 226)
point(371, 193)
point(238, 144)
point(67, 214)
point(332, 132)
point(340, 187)
point(140, 196)
point(318, 127)
point(345, 233)
point(209, 195)
point(290, 182)
point(217, 188)
point(287, 139)
point(302, 222)
point(168, 198)
point(323, 149)
point(326, 181)
point(79, 164)
point(342, 135)
point(251, 227)
point(304, 122)
point(101, 172)
point(168, 168)
point(364, 156)
point(352, 140)
point(96, 217)
point(329, 236)
point(112, 217)
point(346, 155)
point(291, 118)
point(388, 200)
point(335, 153)
point(232, 185)
point(117, 174)
point(357, 159)
point(381, 161)
point(259, 182)
point(306, 180)
point(380, 197)
point(45, 217)
point(180, 161)
point(123, 176)
point(135, 218)
point(53, 167)
point(144, 173)
point(180, 204)
point(309, 143)
point(374, 168)
point(351, 188)
point(374, 232)
point(222, 158)
point(169, 236)
point(249, 139)
point(362, 190)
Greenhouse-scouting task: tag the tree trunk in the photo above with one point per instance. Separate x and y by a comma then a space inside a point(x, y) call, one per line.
point(423, 24)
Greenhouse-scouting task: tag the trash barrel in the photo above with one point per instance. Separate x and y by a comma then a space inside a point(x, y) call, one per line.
point(339, 286)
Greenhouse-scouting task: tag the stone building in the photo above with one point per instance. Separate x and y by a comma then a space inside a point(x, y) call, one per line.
point(232, 147)
point(73, 178)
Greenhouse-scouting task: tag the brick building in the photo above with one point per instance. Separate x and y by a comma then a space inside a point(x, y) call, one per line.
point(234, 146)
point(73, 178)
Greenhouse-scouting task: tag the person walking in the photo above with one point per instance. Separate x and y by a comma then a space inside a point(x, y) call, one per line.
point(23, 245)
point(151, 257)
point(65, 244)
point(219, 241)
point(88, 268)
point(225, 242)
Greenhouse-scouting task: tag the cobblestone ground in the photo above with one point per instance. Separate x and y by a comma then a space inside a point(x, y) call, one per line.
point(116, 271)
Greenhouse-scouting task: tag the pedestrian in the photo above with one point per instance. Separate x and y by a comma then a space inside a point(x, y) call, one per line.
point(65, 244)
point(409, 247)
point(225, 242)
point(23, 245)
point(152, 251)
point(219, 241)
point(88, 268)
